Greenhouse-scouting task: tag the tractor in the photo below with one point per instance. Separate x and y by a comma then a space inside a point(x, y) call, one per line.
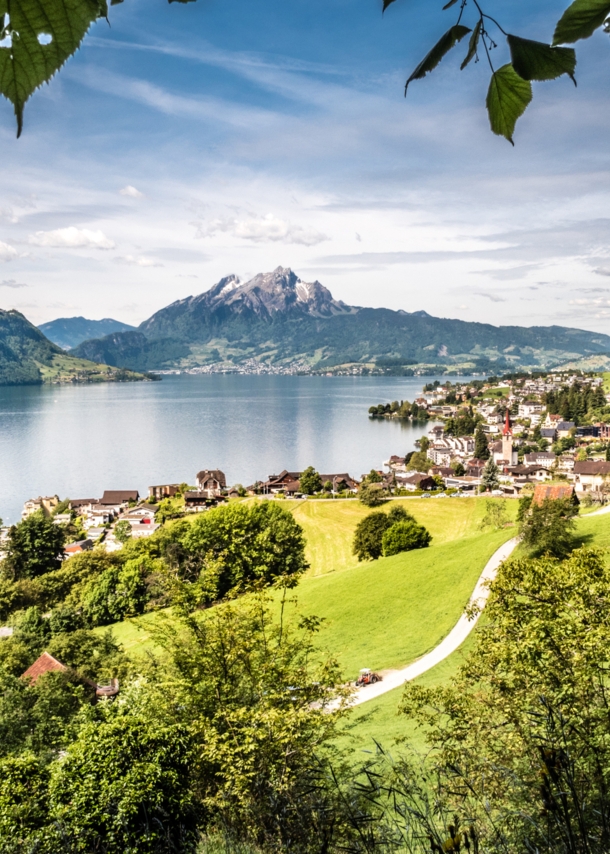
point(367, 677)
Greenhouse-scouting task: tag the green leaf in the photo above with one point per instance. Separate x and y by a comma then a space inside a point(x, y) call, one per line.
point(507, 99)
point(580, 20)
point(538, 61)
point(443, 46)
point(473, 44)
point(42, 35)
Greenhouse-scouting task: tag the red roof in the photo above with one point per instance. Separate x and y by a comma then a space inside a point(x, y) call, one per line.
point(45, 664)
point(507, 428)
point(553, 491)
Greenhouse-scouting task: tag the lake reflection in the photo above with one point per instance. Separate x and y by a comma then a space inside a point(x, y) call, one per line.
point(79, 440)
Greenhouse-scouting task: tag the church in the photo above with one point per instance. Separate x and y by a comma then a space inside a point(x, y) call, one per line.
point(503, 452)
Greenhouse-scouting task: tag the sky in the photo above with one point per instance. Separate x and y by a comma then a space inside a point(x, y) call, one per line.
point(185, 142)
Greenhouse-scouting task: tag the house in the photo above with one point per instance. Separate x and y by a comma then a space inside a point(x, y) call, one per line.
point(166, 490)
point(44, 664)
point(553, 492)
point(540, 458)
point(604, 431)
point(466, 483)
point(532, 473)
point(81, 505)
point(212, 482)
point(395, 463)
point(440, 454)
point(552, 420)
point(77, 548)
point(441, 471)
point(143, 528)
point(277, 482)
point(47, 664)
point(529, 408)
point(62, 518)
point(46, 504)
point(119, 498)
point(195, 502)
point(340, 482)
point(144, 511)
point(417, 480)
point(549, 433)
point(590, 475)
point(435, 433)
point(563, 428)
point(474, 468)
point(98, 516)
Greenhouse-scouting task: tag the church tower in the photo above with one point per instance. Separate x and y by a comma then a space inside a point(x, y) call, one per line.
point(508, 454)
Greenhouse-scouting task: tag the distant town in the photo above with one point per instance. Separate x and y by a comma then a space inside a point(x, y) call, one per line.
point(503, 436)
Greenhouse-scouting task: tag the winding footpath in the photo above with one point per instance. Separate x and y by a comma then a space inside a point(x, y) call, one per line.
point(458, 634)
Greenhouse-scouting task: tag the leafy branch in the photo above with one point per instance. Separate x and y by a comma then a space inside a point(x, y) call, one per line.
point(510, 87)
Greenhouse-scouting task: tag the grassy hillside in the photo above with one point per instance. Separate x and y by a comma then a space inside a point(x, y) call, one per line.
point(386, 613)
point(329, 525)
point(27, 357)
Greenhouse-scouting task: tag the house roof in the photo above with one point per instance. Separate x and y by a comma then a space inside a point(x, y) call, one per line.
point(217, 474)
point(81, 502)
point(591, 467)
point(540, 455)
point(552, 491)
point(119, 496)
point(565, 425)
point(44, 664)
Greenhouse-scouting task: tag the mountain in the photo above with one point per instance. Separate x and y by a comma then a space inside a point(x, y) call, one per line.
point(27, 357)
point(69, 332)
point(280, 319)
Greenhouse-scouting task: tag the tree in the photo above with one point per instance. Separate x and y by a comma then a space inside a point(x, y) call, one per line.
point(548, 527)
point(489, 476)
point(458, 468)
point(495, 516)
point(310, 481)
point(481, 450)
point(520, 739)
point(122, 531)
point(368, 536)
point(35, 546)
point(371, 494)
point(254, 543)
point(142, 800)
point(405, 536)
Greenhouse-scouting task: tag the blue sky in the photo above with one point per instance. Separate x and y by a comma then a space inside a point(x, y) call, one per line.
point(186, 142)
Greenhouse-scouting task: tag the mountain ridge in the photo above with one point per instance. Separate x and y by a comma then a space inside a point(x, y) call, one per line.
point(279, 319)
point(69, 332)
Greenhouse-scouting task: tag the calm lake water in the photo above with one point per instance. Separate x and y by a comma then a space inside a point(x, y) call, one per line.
point(77, 441)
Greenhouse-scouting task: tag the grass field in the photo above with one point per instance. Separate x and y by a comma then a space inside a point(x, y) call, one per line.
point(329, 525)
point(386, 613)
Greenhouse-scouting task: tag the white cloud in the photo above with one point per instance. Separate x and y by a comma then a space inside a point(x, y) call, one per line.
point(72, 238)
point(131, 192)
point(140, 261)
point(7, 252)
point(12, 283)
point(266, 229)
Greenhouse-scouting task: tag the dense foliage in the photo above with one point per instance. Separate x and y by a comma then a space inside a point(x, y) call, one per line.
point(521, 738)
point(578, 403)
point(548, 527)
point(35, 546)
point(388, 533)
point(310, 481)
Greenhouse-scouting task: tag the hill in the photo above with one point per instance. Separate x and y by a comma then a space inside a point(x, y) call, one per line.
point(69, 332)
point(27, 357)
point(277, 318)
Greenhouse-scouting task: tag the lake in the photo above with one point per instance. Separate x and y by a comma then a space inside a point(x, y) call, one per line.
point(77, 441)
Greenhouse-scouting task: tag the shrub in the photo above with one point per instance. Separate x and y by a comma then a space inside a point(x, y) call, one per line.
point(405, 536)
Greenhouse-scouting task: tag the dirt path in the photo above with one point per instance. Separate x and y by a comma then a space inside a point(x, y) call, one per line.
point(458, 634)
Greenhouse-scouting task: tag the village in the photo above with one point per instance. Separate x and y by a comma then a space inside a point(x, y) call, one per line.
point(502, 437)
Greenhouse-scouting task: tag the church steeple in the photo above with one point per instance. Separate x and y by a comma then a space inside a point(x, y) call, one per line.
point(508, 455)
point(508, 430)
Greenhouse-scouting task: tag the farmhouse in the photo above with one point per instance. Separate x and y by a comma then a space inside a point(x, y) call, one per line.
point(166, 490)
point(212, 482)
point(553, 492)
point(119, 498)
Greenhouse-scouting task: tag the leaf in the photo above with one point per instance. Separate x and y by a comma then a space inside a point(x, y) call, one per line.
point(580, 20)
point(507, 99)
point(449, 4)
point(443, 46)
point(538, 61)
point(41, 35)
point(473, 44)
point(386, 3)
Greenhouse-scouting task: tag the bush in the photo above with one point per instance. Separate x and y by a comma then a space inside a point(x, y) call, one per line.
point(368, 537)
point(35, 546)
point(405, 536)
point(372, 494)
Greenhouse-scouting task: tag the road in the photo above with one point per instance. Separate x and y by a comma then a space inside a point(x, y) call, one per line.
point(458, 634)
